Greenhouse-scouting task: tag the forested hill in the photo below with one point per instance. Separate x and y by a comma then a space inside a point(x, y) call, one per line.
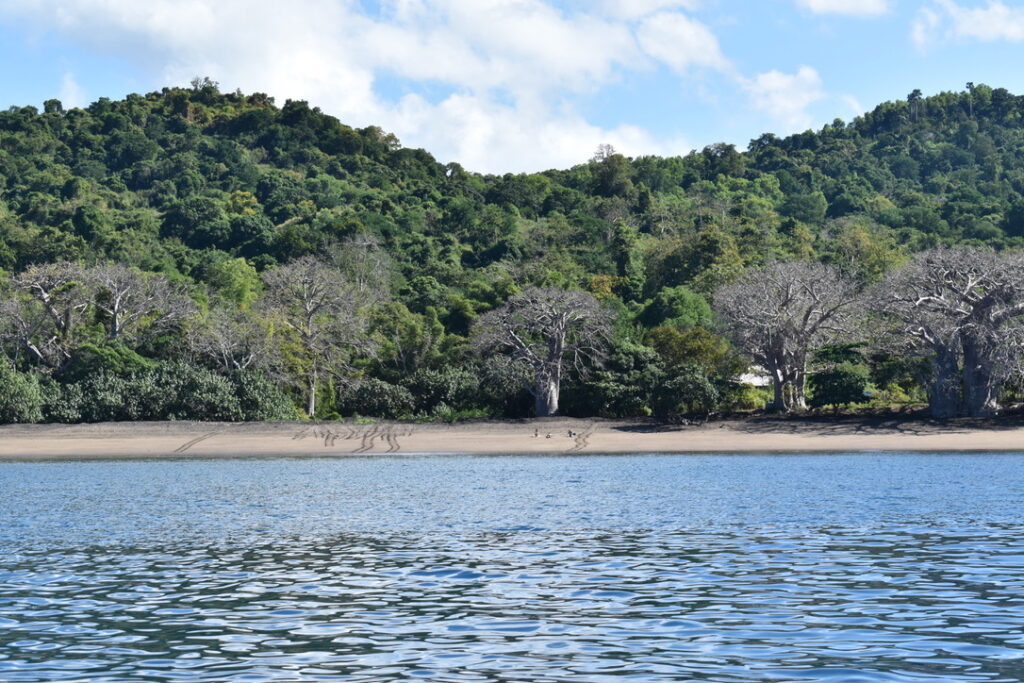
point(181, 179)
point(211, 189)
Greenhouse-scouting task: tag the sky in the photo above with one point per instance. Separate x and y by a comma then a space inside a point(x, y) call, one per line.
point(524, 85)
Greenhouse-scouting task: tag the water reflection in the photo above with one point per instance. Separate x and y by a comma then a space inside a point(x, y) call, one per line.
point(462, 596)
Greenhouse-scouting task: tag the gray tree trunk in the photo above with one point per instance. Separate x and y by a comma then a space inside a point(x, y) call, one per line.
point(546, 396)
point(979, 383)
point(779, 403)
point(799, 389)
point(944, 393)
point(779, 387)
point(311, 397)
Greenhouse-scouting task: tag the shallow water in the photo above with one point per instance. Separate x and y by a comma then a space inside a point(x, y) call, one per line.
point(868, 567)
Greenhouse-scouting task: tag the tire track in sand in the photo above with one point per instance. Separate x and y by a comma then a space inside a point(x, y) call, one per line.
point(582, 440)
point(189, 444)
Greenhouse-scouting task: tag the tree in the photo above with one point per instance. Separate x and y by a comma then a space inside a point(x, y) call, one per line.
point(48, 320)
point(962, 308)
point(321, 308)
point(779, 313)
point(136, 304)
point(231, 340)
point(542, 328)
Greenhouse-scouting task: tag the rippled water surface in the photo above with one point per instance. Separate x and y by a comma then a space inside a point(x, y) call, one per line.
point(718, 568)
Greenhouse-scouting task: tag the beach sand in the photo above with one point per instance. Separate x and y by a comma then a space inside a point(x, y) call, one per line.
point(753, 435)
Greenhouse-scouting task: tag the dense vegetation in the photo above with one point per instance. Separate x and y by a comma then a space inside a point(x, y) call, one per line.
point(212, 195)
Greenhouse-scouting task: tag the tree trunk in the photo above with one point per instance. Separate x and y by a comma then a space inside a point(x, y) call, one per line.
point(979, 384)
point(546, 396)
point(311, 397)
point(944, 393)
point(779, 386)
point(779, 403)
point(799, 389)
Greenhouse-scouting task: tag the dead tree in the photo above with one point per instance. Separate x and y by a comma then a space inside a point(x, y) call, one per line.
point(780, 313)
point(545, 329)
point(959, 306)
point(322, 309)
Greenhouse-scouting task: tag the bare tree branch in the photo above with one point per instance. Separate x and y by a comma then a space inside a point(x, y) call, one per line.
point(543, 328)
point(321, 308)
point(779, 313)
point(958, 307)
point(136, 305)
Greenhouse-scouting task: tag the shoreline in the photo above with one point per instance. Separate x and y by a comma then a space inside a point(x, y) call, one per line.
point(171, 440)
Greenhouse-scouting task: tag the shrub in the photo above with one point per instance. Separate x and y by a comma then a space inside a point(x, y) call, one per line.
point(377, 398)
point(170, 391)
point(689, 390)
point(456, 388)
point(62, 402)
point(107, 397)
point(840, 385)
point(260, 398)
point(110, 357)
point(179, 391)
point(742, 397)
point(21, 399)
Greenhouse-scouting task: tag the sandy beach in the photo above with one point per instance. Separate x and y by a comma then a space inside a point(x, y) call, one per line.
point(754, 435)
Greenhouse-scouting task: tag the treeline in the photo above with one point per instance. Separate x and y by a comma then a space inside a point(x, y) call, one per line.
point(224, 210)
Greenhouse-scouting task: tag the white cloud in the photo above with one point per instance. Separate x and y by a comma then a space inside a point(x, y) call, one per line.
point(925, 25)
point(71, 94)
point(786, 97)
point(680, 42)
point(478, 132)
point(860, 8)
point(637, 9)
point(504, 73)
point(856, 108)
point(946, 19)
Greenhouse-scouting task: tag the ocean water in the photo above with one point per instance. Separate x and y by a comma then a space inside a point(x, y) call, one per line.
point(859, 567)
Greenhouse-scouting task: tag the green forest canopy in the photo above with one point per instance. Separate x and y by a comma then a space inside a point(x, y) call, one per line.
point(211, 190)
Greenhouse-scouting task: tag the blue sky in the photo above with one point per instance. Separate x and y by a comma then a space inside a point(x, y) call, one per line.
point(524, 85)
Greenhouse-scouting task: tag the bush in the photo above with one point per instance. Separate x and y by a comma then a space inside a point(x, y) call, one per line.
point(170, 391)
point(740, 397)
point(260, 398)
point(178, 391)
point(456, 388)
point(689, 391)
point(377, 398)
point(110, 357)
point(840, 385)
point(21, 399)
point(106, 397)
point(62, 402)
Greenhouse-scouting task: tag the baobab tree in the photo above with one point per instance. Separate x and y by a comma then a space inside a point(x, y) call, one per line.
point(322, 309)
point(780, 313)
point(962, 307)
point(134, 304)
point(546, 329)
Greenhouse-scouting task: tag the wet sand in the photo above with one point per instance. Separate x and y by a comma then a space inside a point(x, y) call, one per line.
point(754, 435)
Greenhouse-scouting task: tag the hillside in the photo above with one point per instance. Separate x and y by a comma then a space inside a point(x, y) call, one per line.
point(212, 189)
